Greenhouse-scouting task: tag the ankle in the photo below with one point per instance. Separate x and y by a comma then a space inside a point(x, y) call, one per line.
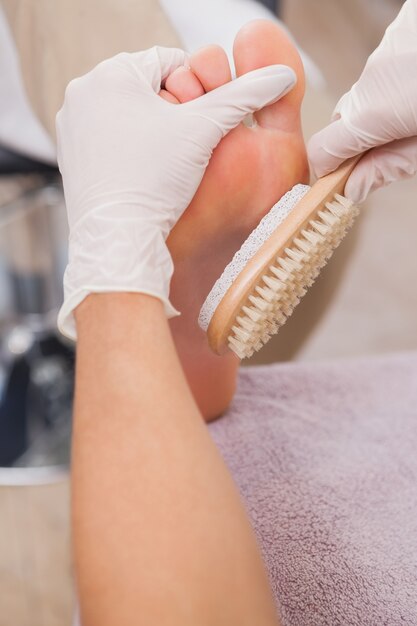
point(212, 379)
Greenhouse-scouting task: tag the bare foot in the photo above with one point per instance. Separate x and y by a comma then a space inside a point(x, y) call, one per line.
point(249, 171)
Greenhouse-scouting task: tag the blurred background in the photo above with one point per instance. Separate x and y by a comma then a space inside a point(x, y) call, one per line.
point(364, 302)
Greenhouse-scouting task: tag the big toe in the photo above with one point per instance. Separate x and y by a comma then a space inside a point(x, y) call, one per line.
point(263, 42)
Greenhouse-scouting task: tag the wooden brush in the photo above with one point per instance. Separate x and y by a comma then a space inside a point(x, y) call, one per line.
point(259, 289)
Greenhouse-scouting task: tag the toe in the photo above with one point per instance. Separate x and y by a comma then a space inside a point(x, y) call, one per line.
point(263, 42)
point(211, 65)
point(168, 97)
point(183, 85)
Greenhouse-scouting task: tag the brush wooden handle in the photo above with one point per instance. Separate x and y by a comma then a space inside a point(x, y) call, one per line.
point(306, 209)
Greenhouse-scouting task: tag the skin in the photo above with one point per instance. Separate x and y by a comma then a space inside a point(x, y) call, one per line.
point(215, 225)
point(160, 534)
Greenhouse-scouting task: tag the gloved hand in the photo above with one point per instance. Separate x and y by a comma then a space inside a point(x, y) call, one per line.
point(131, 163)
point(379, 110)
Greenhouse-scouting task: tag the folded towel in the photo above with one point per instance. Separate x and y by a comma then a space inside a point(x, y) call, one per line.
point(324, 455)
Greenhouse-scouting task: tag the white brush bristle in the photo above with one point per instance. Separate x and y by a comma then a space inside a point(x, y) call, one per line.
point(279, 290)
point(264, 229)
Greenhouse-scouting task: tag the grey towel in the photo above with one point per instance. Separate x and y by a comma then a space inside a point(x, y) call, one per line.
point(325, 457)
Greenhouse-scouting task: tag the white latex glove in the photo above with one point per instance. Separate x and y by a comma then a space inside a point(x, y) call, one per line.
point(379, 110)
point(131, 163)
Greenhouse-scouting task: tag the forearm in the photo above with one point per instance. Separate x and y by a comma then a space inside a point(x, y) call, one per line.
point(160, 534)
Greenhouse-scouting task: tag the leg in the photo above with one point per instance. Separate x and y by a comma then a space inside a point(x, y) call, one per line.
point(161, 536)
point(253, 167)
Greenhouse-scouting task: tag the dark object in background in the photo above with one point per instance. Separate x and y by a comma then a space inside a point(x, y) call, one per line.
point(13, 163)
point(273, 5)
point(36, 402)
point(36, 364)
point(13, 413)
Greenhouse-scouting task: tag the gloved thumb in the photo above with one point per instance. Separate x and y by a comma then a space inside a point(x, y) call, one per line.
point(225, 107)
point(381, 166)
point(328, 148)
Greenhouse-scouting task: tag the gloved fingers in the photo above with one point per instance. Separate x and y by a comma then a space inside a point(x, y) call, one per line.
point(382, 166)
point(146, 70)
point(226, 106)
point(135, 72)
point(328, 148)
point(157, 63)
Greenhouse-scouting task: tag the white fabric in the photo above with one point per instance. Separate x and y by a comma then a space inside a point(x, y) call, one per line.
point(20, 130)
point(202, 22)
point(379, 110)
point(131, 163)
point(265, 228)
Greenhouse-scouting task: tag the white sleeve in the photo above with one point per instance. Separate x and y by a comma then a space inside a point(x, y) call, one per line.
point(20, 130)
